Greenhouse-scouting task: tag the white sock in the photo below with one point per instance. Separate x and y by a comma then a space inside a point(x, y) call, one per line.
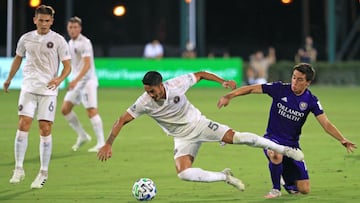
point(21, 142)
point(75, 123)
point(200, 175)
point(98, 129)
point(254, 140)
point(45, 151)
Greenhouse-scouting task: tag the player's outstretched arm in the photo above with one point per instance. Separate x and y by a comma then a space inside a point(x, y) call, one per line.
point(212, 77)
point(334, 132)
point(225, 100)
point(106, 152)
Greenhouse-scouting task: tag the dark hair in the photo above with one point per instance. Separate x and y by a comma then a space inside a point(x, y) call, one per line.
point(306, 69)
point(43, 9)
point(152, 78)
point(75, 19)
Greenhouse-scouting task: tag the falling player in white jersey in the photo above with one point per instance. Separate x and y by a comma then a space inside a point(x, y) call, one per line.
point(43, 49)
point(167, 104)
point(83, 86)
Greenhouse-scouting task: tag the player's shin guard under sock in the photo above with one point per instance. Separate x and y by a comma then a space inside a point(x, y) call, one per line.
point(45, 151)
point(21, 142)
point(275, 172)
point(98, 129)
point(200, 175)
point(254, 140)
point(75, 123)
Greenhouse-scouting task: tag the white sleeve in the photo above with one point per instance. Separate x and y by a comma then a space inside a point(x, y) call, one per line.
point(63, 50)
point(20, 49)
point(138, 108)
point(86, 49)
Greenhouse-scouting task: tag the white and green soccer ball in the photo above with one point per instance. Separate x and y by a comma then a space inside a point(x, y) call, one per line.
point(144, 189)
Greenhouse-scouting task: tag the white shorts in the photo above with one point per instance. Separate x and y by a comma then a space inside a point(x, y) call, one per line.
point(85, 93)
point(206, 131)
point(45, 105)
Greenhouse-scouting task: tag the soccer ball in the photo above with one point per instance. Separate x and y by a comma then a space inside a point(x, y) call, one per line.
point(144, 189)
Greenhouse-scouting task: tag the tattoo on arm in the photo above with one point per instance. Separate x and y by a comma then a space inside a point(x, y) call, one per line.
point(111, 139)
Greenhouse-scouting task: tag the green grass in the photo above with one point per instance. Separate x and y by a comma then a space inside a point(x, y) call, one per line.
point(143, 150)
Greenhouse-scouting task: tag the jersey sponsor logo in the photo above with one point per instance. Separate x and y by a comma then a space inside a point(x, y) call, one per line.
point(284, 99)
point(303, 106)
point(50, 45)
point(289, 113)
point(176, 99)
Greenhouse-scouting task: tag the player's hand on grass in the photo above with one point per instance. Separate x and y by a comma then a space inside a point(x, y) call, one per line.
point(105, 152)
point(350, 147)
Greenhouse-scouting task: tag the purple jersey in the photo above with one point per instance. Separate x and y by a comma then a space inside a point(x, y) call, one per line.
point(288, 112)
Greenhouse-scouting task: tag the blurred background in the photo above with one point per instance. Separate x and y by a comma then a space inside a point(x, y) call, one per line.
point(121, 28)
point(238, 27)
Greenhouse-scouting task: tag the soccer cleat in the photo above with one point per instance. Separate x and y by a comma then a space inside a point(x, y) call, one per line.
point(96, 148)
point(291, 189)
point(231, 180)
point(18, 176)
point(40, 180)
point(274, 193)
point(294, 153)
point(80, 141)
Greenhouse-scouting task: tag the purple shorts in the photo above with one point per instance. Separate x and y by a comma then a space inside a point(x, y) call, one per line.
point(292, 170)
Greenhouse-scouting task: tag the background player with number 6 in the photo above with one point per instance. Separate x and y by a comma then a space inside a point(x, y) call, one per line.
point(43, 49)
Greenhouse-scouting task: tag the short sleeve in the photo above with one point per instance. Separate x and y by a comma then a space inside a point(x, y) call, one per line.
point(20, 49)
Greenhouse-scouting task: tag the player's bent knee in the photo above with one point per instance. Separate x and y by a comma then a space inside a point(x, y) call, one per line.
point(228, 137)
point(304, 191)
point(65, 111)
point(303, 187)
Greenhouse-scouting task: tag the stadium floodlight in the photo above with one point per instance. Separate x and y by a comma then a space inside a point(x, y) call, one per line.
point(119, 10)
point(34, 3)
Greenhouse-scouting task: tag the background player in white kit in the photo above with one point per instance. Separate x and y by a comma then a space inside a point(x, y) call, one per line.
point(43, 49)
point(167, 104)
point(83, 86)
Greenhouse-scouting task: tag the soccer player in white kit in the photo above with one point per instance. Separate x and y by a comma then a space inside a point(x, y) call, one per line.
point(83, 86)
point(167, 104)
point(43, 49)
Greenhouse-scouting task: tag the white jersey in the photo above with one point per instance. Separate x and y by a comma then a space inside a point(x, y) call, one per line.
point(79, 48)
point(175, 115)
point(43, 56)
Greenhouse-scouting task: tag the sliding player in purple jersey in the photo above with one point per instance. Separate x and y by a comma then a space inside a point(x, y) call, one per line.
point(291, 105)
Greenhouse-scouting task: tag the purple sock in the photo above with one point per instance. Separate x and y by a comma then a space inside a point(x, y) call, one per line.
point(275, 172)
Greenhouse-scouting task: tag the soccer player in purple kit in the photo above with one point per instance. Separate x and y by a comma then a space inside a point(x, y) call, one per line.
point(290, 107)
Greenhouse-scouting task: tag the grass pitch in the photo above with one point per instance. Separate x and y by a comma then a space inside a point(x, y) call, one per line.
point(143, 150)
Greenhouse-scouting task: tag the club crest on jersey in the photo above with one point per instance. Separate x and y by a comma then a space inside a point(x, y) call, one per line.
point(133, 108)
point(50, 45)
point(303, 106)
point(176, 99)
